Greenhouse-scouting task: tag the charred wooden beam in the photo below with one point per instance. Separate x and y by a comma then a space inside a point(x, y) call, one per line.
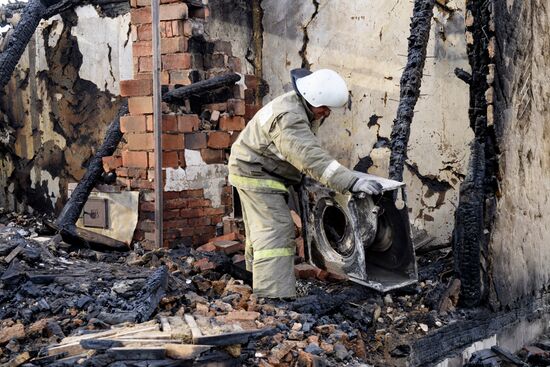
point(148, 299)
point(32, 15)
point(474, 215)
point(411, 81)
point(178, 95)
point(71, 211)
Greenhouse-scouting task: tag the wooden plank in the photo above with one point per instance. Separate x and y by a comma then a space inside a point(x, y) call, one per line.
point(14, 253)
point(185, 351)
point(148, 326)
point(180, 329)
point(148, 335)
point(195, 330)
point(165, 324)
point(71, 349)
point(143, 353)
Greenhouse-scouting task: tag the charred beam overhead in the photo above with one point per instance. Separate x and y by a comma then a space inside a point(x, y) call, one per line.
point(411, 81)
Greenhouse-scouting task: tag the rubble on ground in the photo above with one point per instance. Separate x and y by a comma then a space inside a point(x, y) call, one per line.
point(67, 306)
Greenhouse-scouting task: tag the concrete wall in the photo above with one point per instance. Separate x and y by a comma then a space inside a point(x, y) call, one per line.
point(57, 106)
point(366, 41)
point(519, 246)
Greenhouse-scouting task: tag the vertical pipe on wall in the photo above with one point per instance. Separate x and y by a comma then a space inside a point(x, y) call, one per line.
point(157, 116)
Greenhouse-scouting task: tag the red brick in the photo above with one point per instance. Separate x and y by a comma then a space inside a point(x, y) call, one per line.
point(173, 45)
point(169, 159)
point(236, 107)
point(142, 48)
point(238, 258)
point(243, 315)
point(171, 214)
point(188, 123)
point(144, 32)
point(304, 271)
point(234, 136)
point(132, 123)
point(137, 173)
point(122, 171)
point(137, 141)
point(174, 223)
point(182, 28)
point(147, 206)
point(173, 142)
point(150, 123)
point(169, 123)
point(191, 213)
point(142, 184)
point(143, 2)
point(176, 203)
point(135, 159)
point(228, 237)
point(111, 163)
point(214, 211)
point(140, 105)
point(145, 64)
point(179, 77)
point(173, 11)
point(218, 139)
point(164, 77)
point(208, 247)
point(198, 203)
point(251, 111)
point(176, 61)
point(140, 15)
point(252, 81)
point(228, 247)
point(204, 264)
point(136, 87)
point(203, 221)
point(212, 156)
point(195, 141)
point(235, 123)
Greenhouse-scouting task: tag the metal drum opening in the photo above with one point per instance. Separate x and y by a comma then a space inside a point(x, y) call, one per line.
point(335, 226)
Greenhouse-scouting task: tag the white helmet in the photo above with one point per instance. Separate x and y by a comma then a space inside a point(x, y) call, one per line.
point(323, 88)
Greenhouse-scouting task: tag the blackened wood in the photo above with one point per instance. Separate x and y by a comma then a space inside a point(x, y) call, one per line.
point(31, 17)
point(178, 95)
point(148, 299)
point(463, 75)
point(410, 85)
point(475, 215)
point(71, 211)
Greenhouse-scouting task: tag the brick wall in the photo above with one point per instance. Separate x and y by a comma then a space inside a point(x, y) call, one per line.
point(208, 125)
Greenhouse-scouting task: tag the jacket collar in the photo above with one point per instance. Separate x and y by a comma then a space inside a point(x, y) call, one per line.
point(310, 115)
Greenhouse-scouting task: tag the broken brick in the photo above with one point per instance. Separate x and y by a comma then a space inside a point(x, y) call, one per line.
point(208, 247)
point(16, 331)
point(304, 271)
point(212, 156)
point(243, 315)
point(204, 264)
point(228, 247)
point(236, 107)
point(111, 163)
point(188, 123)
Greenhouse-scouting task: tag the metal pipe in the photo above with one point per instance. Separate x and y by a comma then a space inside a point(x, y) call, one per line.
point(157, 117)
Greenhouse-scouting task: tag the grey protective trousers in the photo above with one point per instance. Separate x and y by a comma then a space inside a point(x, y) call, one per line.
point(270, 245)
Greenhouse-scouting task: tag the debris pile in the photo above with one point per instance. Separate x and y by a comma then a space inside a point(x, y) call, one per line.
point(66, 306)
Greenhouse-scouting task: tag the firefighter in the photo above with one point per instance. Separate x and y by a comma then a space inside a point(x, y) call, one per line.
point(277, 146)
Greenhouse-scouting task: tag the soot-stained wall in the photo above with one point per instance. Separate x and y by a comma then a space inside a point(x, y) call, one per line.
point(519, 250)
point(59, 102)
point(366, 41)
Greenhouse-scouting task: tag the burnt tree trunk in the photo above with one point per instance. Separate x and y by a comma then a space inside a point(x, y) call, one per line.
point(411, 81)
point(475, 213)
point(178, 95)
point(71, 211)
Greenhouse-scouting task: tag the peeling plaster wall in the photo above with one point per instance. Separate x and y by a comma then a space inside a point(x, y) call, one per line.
point(58, 104)
point(519, 247)
point(366, 41)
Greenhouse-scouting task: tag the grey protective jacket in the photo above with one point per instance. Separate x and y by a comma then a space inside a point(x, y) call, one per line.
point(278, 145)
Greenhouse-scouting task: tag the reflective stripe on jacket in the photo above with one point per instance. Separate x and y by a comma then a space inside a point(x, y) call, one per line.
point(278, 145)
